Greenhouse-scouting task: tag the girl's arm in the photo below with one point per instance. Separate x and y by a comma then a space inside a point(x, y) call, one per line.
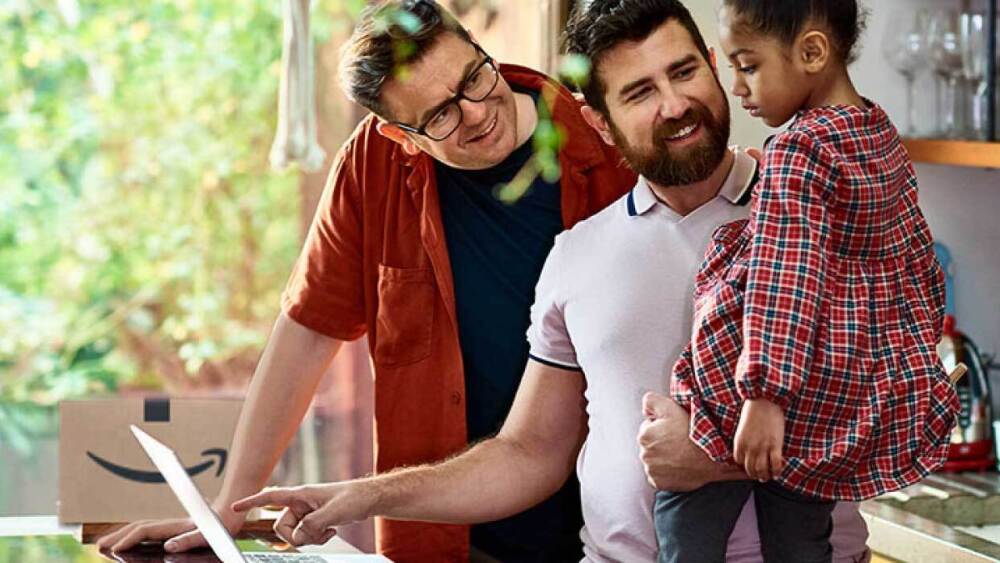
point(787, 269)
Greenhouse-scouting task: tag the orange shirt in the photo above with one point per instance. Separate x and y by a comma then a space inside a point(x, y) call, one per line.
point(375, 261)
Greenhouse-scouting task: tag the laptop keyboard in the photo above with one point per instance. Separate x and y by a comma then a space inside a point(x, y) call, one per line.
point(282, 558)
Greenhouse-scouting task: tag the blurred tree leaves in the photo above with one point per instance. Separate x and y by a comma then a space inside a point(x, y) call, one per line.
point(143, 236)
point(142, 233)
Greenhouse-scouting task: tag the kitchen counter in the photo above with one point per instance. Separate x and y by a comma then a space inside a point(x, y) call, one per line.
point(947, 517)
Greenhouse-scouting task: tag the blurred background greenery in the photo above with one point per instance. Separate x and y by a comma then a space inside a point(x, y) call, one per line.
point(144, 239)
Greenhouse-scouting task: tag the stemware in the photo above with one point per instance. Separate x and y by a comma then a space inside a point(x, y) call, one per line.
point(996, 82)
point(904, 47)
point(946, 61)
point(972, 40)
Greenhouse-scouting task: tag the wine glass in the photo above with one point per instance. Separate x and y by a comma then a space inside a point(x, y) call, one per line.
point(996, 80)
point(904, 47)
point(973, 44)
point(946, 61)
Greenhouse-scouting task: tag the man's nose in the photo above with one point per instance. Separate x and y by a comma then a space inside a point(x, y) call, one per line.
point(473, 113)
point(673, 105)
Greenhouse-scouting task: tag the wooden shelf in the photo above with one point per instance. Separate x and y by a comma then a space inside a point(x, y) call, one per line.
point(955, 153)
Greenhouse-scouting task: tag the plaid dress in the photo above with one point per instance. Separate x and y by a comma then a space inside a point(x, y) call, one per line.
point(828, 302)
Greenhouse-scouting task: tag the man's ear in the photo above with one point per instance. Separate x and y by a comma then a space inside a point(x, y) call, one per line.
point(397, 135)
point(600, 124)
point(813, 51)
point(713, 60)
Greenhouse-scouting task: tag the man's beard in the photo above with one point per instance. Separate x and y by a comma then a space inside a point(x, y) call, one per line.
point(669, 167)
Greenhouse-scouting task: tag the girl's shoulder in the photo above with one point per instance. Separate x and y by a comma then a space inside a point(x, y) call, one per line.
point(841, 134)
point(847, 128)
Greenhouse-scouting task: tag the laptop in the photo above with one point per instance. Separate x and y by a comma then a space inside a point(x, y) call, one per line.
point(208, 522)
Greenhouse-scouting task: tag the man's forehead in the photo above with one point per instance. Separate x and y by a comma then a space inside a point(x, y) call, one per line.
point(668, 44)
point(432, 79)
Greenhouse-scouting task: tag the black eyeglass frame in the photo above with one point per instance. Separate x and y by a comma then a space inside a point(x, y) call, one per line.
point(422, 129)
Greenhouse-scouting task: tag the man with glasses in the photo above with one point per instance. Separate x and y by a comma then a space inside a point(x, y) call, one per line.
point(411, 246)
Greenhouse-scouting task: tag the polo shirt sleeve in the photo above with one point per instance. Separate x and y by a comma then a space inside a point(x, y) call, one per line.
point(325, 291)
point(548, 339)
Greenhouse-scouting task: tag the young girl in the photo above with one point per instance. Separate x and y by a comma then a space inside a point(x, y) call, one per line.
point(812, 362)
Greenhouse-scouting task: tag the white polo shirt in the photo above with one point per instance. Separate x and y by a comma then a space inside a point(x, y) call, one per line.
point(615, 301)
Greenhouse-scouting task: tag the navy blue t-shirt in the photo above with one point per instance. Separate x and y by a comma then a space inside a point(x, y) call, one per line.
point(497, 251)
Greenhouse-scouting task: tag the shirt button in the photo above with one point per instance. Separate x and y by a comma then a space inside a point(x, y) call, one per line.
point(456, 397)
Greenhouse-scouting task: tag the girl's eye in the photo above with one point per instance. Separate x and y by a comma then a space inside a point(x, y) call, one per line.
point(747, 69)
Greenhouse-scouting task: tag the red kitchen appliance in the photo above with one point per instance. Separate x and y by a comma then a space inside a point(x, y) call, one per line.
point(971, 446)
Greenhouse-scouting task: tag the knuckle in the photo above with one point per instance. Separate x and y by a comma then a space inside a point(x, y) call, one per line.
point(642, 437)
point(310, 525)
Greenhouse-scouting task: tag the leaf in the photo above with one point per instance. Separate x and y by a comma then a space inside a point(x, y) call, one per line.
point(576, 68)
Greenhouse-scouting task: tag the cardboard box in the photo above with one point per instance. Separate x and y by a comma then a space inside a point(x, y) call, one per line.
point(105, 476)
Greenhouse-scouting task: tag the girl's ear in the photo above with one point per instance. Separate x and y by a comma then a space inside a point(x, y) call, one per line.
point(813, 51)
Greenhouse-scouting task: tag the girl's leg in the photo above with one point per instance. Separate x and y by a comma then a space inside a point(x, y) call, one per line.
point(695, 526)
point(793, 528)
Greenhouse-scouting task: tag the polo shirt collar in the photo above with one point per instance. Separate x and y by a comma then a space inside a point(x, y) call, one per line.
point(735, 189)
point(641, 199)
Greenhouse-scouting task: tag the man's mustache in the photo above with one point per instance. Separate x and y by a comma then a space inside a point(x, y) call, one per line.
point(671, 127)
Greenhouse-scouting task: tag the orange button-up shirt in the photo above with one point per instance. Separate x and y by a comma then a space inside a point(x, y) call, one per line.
point(375, 261)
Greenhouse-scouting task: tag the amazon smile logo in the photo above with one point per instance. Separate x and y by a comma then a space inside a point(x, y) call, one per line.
point(155, 476)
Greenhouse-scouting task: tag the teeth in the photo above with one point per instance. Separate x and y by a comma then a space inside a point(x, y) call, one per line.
point(684, 132)
point(487, 132)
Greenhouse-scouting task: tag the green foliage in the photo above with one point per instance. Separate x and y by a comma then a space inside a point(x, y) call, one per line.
point(575, 68)
point(140, 224)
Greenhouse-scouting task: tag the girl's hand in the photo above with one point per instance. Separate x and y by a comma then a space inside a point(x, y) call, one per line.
point(759, 438)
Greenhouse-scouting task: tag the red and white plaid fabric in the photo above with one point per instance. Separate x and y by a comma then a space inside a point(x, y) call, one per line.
point(828, 302)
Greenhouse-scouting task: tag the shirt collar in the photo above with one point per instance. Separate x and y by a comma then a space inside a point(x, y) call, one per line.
point(735, 189)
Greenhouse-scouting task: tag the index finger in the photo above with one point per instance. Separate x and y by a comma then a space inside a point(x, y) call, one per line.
point(267, 497)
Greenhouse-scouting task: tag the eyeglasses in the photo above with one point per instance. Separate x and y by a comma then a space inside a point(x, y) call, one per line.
point(476, 87)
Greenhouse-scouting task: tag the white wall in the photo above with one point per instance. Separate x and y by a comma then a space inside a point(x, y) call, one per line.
point(962, 205)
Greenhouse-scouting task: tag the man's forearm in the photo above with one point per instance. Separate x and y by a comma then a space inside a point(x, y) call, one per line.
point(290, 369)
point(492, 480)
point(527, 462)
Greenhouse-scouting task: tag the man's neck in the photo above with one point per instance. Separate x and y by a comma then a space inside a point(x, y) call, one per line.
point(685, 199)
point(527, 117)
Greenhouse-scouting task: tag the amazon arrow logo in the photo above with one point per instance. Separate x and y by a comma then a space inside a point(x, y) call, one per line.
point(156, 476)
